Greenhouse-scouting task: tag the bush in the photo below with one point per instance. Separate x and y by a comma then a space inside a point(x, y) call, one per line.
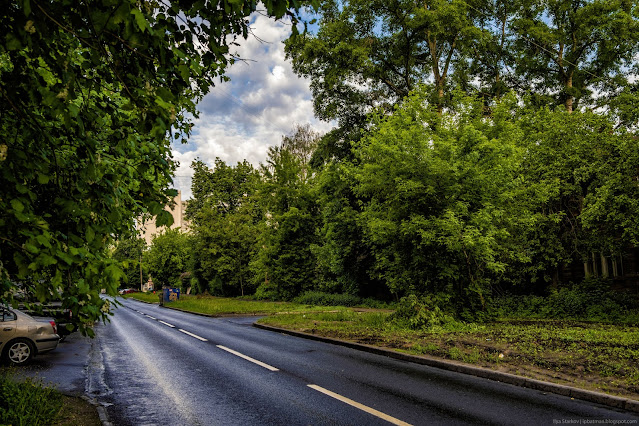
point(327, 299)
point(27, 403)
point(591, 300)
point(422, 313)
point(267, 291)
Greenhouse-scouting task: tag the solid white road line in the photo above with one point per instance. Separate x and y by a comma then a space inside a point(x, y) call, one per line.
point(193, 335)
point(166, 323)
point(248, 358)
point(362, 407)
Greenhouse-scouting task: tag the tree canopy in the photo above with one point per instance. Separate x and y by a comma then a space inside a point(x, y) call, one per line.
point(368, 55)
point(93, 92)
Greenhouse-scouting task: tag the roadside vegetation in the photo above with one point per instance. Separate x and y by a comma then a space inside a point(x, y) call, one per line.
point(28, 402)
point(211, 305)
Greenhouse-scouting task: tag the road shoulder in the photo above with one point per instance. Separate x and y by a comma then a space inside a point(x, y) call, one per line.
point(572, 392)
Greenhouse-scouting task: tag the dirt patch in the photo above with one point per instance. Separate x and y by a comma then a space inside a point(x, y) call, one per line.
point(77, 411)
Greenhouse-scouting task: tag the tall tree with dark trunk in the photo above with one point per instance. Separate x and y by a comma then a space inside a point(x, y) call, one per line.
point(576, 50)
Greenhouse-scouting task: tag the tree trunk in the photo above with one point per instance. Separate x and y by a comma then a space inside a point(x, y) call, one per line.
point(604, 266)
point(569, 99)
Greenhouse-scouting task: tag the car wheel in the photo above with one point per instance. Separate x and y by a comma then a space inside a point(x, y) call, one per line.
point(19, 351)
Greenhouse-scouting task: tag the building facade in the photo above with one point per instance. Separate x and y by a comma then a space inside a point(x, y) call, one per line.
point(148, 229)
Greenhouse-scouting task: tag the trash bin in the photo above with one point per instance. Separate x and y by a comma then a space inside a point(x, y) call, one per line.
point(171, 294)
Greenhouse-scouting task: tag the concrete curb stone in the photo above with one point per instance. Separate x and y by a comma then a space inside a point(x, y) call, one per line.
point(102, 413)
point(582, 394)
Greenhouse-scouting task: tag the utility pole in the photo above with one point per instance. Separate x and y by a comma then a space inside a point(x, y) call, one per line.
point(141, 280)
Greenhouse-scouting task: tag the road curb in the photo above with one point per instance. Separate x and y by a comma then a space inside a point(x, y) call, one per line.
point(102, 413)
point(582, 394)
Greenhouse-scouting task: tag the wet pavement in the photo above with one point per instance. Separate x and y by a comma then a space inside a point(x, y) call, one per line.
point(64, 368)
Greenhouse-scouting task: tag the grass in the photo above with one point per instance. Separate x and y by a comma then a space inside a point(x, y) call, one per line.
point(28, 402)
point(593, 356)
point(145, 297)
point(232, 306)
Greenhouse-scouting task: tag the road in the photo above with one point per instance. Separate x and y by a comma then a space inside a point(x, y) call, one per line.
point(156, 366)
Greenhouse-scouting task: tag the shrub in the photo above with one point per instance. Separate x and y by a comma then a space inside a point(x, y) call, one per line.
point(327, 299)
point(591, 300)
point(27, 403)
point(423, 312)
point(267, 291)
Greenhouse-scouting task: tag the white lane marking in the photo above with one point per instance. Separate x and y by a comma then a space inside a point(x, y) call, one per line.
point(153, 318)
point(166, 323)
point(193, 335)
point(362, 407)
point(248, 358)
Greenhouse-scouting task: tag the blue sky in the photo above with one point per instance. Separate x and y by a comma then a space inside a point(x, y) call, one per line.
point(263, 101)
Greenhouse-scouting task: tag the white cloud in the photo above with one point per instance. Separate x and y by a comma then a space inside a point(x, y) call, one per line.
point(240, 119)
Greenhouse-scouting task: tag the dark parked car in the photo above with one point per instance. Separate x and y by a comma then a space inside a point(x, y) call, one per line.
point(22, 336)
point(54, 310)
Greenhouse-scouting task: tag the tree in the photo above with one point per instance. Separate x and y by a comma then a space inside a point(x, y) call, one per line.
point(225, 188)
point(576, 50)
point(129, 253)
point(486, 66)
point(224, 214)
point(284, 264)
point(92, 92)
point(369, 55)
point(440, 201)
point(582, 176)
point(344, 260)
point(168, 257)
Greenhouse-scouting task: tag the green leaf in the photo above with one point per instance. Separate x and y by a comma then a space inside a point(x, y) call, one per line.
point(90, 234)
point(43, 179)
point(43, 240)
point(17, 205)
point(140, 20)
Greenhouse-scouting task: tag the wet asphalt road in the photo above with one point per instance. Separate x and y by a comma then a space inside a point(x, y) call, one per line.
point(156, 366)
point(64, 368)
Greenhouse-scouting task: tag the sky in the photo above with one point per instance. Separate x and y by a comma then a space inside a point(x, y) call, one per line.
point(241, 118)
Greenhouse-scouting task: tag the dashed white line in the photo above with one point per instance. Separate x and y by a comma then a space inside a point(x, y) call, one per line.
point(167, 324)
point(193, 335)
point(362, 407)
point(248, 358)
point(153, 318)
